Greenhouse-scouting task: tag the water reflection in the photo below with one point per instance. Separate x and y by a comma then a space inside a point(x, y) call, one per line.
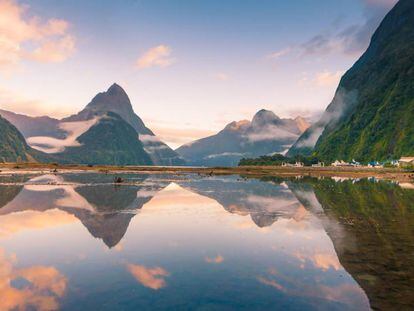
point(375, 242)
point(220, 242)
point(34, 287)
point(104, 209)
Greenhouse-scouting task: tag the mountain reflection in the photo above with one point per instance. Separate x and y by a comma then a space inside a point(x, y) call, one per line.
point(264, 202)
point(370, 224)
point(104, 209)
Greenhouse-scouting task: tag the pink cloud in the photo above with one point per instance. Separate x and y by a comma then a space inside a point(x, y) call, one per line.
point(25, 36)
point(149, 277)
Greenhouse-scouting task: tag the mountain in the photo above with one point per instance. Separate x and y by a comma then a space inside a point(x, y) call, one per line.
point(109, 140)
point(265, 203)
point(34, 126)
point(13, 147)
point(56, 137)
point(116, 100)
point(372, 113)
point(265, 134)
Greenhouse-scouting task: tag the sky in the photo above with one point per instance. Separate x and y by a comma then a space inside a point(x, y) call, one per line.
point(189, 66)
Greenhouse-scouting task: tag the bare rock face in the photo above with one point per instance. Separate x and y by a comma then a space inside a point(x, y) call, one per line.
point(265, 134)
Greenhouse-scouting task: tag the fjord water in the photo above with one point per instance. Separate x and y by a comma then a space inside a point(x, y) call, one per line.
point(158, 242)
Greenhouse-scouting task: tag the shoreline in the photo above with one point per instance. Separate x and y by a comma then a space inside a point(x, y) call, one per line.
point(394, 174)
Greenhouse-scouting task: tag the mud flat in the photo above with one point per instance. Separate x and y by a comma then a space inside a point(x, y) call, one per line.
point(248, 171)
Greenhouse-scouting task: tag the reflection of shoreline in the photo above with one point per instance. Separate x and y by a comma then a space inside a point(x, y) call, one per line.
point(371, 227)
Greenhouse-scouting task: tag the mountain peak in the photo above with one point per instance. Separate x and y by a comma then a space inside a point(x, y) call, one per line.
point(264, 116)
point(237, 125)
point(114, 99)
point(115, 89)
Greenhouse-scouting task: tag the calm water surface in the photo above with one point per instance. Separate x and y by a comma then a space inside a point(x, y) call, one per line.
point(158, 242)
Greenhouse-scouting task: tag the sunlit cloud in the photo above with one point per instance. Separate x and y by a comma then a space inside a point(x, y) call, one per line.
point(346, 293)
point(320, 260)
point(218, 259)
point(25, 36)
point(159, 56)
point(15, 102)
point(153, 278)
point(328, 79)
point(30, 220)
point(271, 283)
point(45, 285)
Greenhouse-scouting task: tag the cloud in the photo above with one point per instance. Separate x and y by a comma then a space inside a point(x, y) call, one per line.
point(175, 136)
point(224, 154)
point(55, 51)
point(55, 145)
point(271, 283)
point(222, 76)
point(28, 37)
point(148, 138)
point(280, 53)
point(271, 133)
point(149, 277)
point(14, 101)
point(353, 39)
point(159, 56)
point(327, 78)
point(218, 259)
point(42, 288)
point(342, 102)
point(25, 221)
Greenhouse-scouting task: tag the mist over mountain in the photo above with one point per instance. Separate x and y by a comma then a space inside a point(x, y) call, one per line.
point(34, 126)
point(372, 113)
point(83, 137)
point(265, 134)
point(116, 100)
point(110, 140)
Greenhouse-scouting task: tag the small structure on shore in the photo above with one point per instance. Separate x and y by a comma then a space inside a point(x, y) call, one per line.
point(406, 161)
point(341, 163)
point(375, 164)
point(297, 164)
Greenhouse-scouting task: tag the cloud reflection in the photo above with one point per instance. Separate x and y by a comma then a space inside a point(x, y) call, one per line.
point(36, 287)
point(216, 260)
point(153, 278)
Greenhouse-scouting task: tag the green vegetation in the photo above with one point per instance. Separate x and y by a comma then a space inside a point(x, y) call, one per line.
point(278, 160)
point(13, 147)
point(112, 141)
point(371, 226)
point(377, 121)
